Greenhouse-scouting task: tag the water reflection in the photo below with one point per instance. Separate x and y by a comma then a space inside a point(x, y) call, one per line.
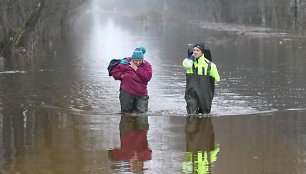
point(201, 150)
point(36, 141)
point(134, 149)
point(1, 144)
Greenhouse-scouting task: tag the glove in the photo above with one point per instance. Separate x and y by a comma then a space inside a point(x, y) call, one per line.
point(124, 62)
point(187, 63)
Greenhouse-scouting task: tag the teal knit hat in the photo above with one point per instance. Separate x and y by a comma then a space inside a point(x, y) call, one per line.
point(138, 53)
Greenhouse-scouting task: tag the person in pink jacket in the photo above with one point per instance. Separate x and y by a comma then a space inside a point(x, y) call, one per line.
point(134, 73)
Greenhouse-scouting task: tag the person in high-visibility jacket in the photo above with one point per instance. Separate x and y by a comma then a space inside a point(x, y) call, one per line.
point(201, 75)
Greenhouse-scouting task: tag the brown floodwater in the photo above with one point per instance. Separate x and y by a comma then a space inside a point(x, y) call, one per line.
point(52, 143)
point(63, 115)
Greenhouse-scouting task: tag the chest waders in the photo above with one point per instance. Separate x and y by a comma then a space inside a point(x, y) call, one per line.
point(133, 104)
point(199, 90)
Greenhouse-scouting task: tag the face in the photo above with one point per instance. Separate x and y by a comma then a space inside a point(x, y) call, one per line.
point(137, 62)
point(197, 52)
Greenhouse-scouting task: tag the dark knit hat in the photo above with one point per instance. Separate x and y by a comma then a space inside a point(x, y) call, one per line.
point(200, 46)
point(138, 53)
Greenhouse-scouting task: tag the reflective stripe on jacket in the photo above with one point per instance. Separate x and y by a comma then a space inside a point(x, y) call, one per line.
point(201, 65)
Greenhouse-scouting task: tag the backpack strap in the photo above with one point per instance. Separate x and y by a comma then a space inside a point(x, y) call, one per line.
point(212, 79)
point(209, 67)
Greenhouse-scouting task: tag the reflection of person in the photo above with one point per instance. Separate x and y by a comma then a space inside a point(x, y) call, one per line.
point(134, 148)
point(134, 73)
point(201, 150)
point(201, 75)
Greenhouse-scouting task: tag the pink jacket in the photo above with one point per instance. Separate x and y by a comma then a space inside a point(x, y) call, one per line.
point(133, 82)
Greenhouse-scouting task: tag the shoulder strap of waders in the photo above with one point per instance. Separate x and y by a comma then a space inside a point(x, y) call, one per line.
point(208, 67)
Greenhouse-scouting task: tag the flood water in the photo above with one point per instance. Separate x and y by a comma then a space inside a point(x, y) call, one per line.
point(64, 116)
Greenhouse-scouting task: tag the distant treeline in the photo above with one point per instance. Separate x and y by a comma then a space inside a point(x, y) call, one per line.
point(23, 24)
point(287, 15)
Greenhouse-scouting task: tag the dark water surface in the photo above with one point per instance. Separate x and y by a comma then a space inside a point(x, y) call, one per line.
point(63, 117)
point(48, 143)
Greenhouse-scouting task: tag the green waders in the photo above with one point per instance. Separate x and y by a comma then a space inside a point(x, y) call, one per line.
point(198, 93)
point(132, 103)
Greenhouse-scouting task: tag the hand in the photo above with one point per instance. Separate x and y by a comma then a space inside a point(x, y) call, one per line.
point(187, 63)
point(133, 66)
point(191, 57)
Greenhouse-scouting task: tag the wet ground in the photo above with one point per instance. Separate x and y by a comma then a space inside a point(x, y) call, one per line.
point(63, 116)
